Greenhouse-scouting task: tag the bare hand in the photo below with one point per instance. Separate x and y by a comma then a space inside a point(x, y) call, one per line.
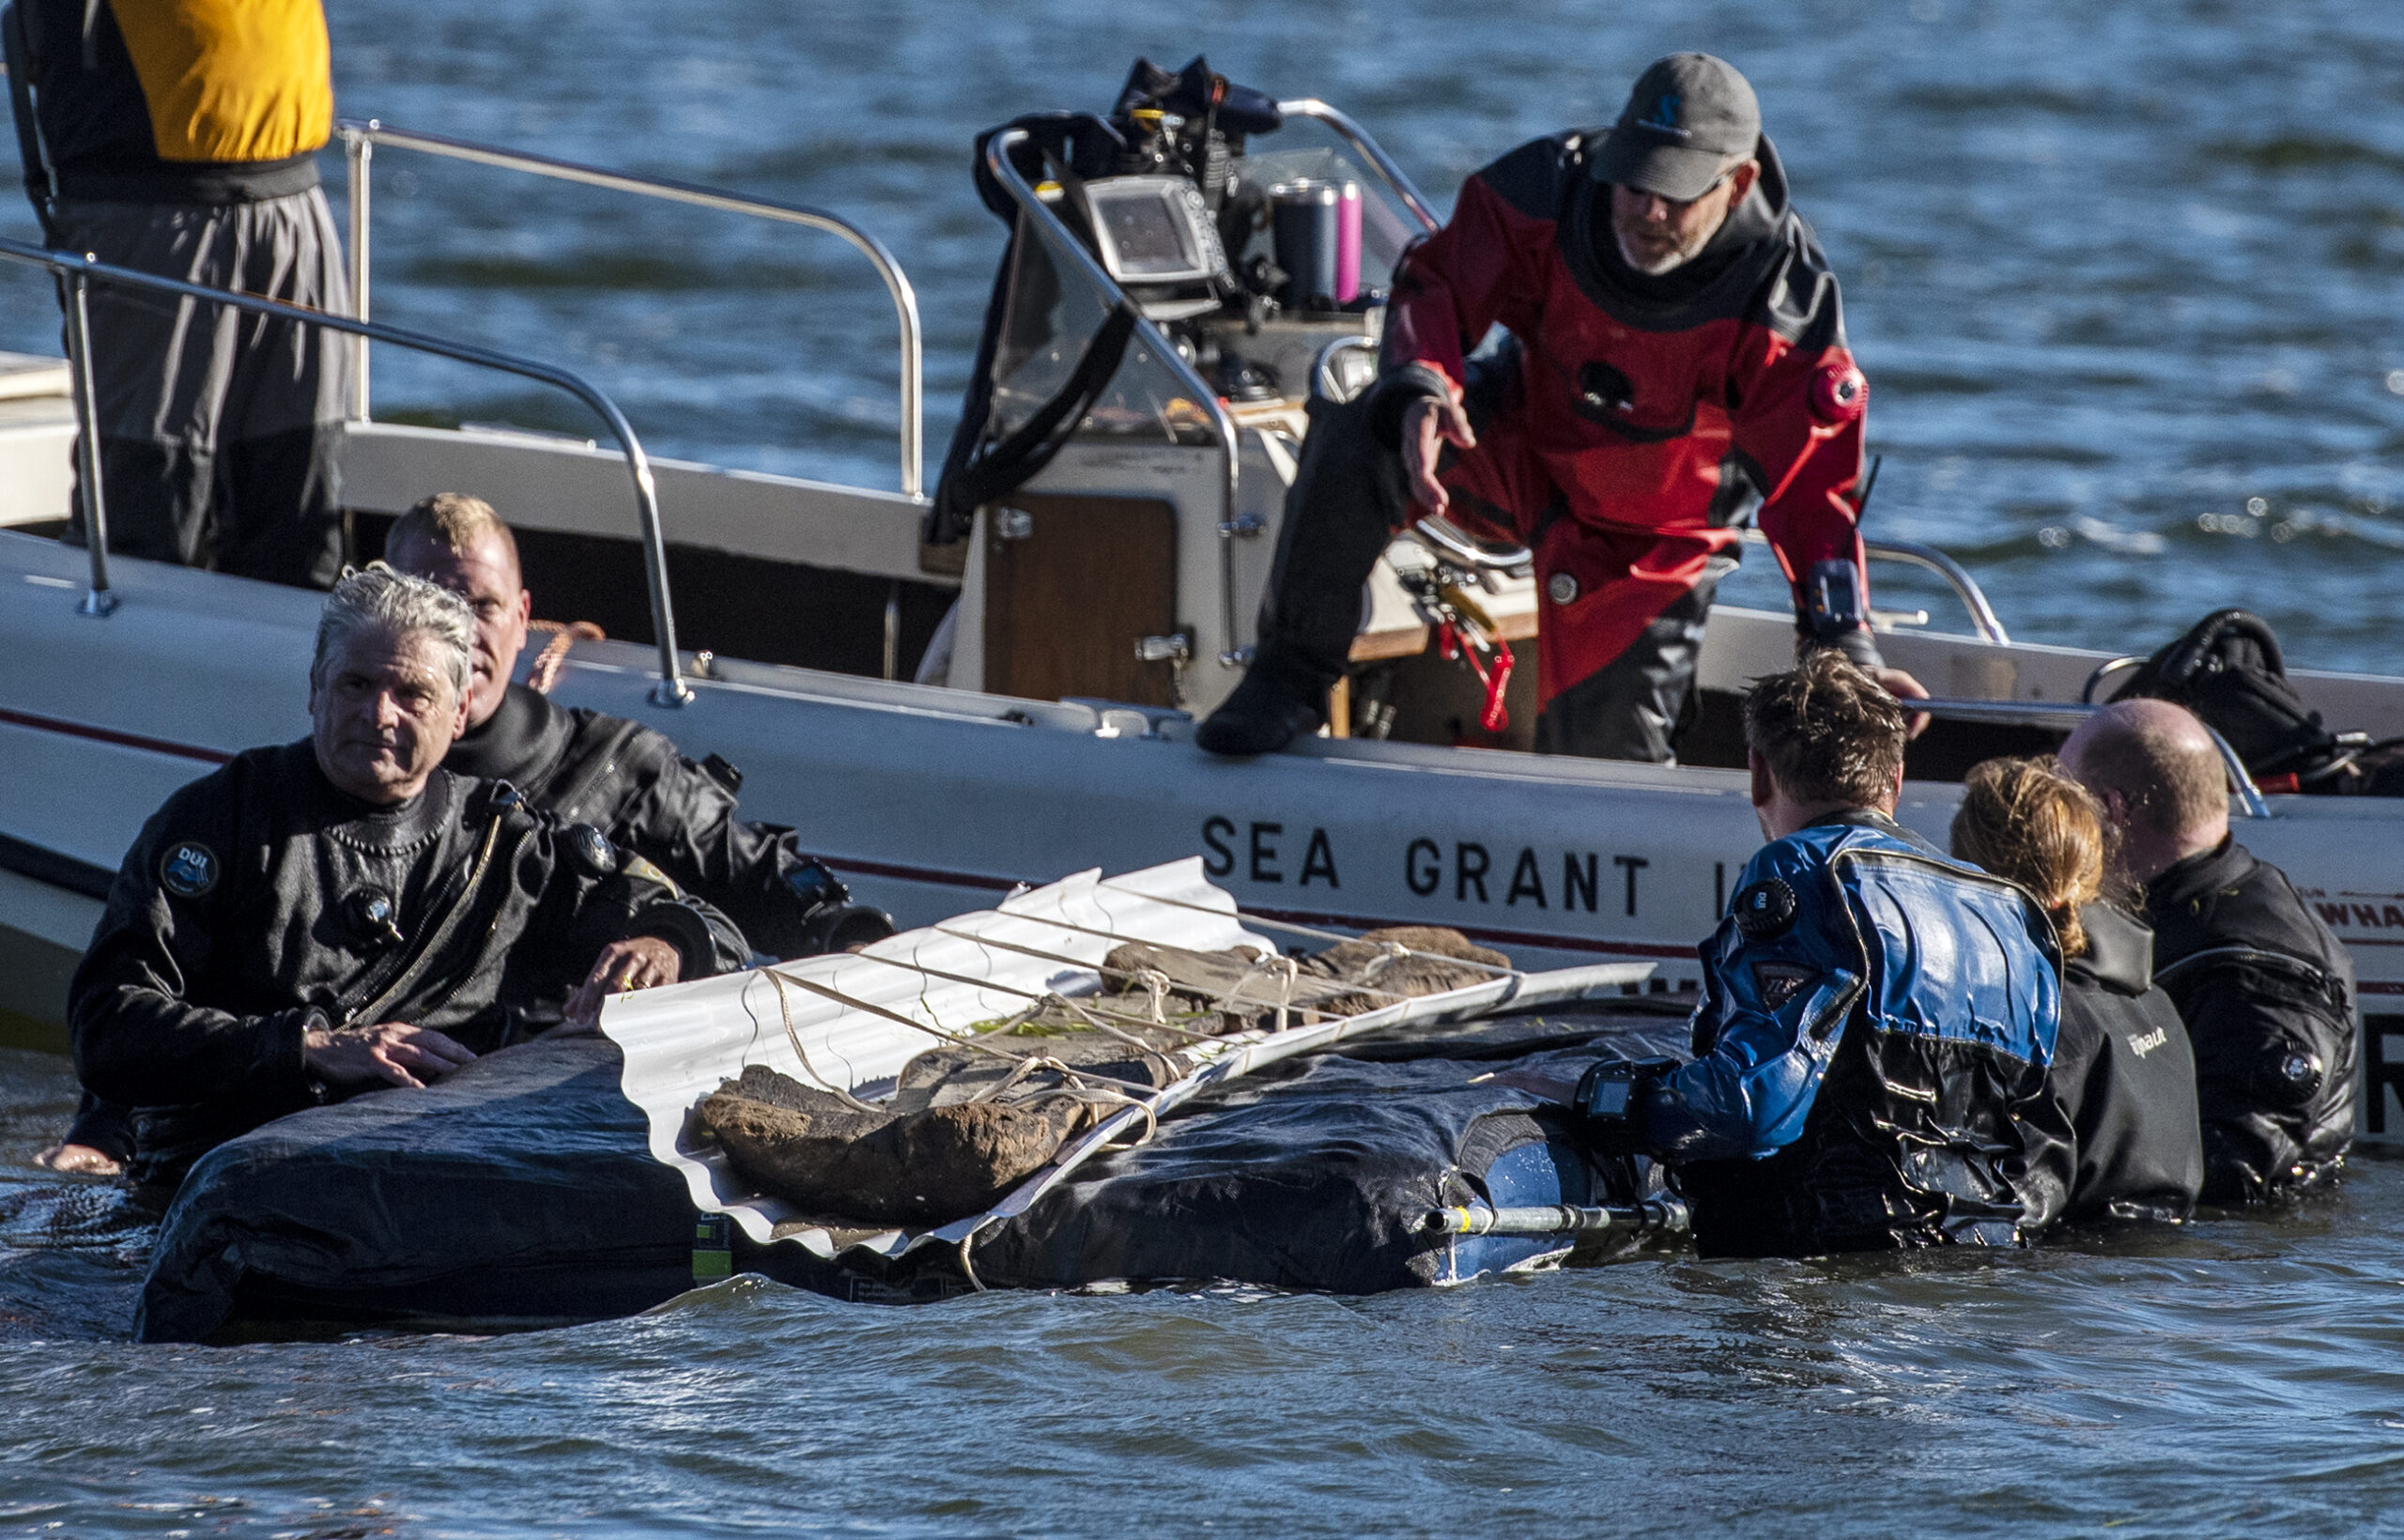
point(1424, 421)
point(392, 1052)
point(79, 1161)
point(1903, 687)
point(641, 962)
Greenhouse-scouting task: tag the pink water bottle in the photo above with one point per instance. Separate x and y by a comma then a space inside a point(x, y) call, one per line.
point(1348, 243)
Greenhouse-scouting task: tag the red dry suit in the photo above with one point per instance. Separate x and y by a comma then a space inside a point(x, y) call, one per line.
point(1645, 418)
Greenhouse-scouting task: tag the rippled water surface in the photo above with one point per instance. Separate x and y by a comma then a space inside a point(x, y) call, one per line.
point(2244, 1377)
point(2118, 272)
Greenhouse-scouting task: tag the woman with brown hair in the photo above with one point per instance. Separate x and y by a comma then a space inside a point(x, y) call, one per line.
point(2122, 1066)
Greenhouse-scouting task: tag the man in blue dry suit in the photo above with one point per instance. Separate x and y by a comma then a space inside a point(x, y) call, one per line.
point(1876, 1023)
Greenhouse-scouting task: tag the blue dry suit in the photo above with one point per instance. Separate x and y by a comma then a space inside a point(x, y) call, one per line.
point(1871, 1051)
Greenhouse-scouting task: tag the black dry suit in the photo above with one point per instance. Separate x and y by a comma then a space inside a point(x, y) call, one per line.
point(1871, 1051)
point(261, 903)
point(635, 786)
point(2126, 1077)
point(2267, 992)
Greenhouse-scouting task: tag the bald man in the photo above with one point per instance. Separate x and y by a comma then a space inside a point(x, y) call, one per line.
point(2264, 987)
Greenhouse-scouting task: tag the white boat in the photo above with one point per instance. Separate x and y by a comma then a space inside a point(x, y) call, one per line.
point(1099, 609)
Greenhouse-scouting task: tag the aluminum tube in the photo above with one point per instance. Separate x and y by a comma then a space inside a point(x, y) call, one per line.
point(2069, 714)
point(98, 602)
point(1966, 588)
point(1357, 137)
point(671, 689)
point(897, 284)
point(360, 152)
point(1662, 1216)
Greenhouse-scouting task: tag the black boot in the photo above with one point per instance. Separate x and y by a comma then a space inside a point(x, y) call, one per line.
point(1271, 707)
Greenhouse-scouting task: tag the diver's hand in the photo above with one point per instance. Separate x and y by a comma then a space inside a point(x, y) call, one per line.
point(79, 1160)
point(392, 1052)
point(640, 962)
point(1903, 687)
point(1425, 423)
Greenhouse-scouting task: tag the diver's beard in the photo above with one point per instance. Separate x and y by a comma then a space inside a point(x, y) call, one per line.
point(1656, 265)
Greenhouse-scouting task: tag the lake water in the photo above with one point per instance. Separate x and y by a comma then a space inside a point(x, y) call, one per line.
point(2118, 272)
point(2125, 280)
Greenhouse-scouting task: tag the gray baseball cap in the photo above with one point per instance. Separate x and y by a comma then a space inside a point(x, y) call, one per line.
point(1690, 115)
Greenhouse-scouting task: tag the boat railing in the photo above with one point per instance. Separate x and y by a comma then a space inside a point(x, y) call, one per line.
point(1928, 558)
point(361, 136)
point(2069, 715)
point(1064, 243)
point(1390, 172)
point(80, 271)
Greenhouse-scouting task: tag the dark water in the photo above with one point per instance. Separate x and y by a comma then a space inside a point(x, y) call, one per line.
point(2240, 1378)
point(2117, 270)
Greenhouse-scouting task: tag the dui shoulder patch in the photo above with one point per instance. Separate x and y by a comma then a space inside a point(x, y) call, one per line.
point(189, 869)
point(1765, 910)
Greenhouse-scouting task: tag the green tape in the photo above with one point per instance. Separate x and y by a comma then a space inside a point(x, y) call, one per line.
point(713, 1248)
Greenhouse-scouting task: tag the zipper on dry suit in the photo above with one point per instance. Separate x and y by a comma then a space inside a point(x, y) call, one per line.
point(412, 964)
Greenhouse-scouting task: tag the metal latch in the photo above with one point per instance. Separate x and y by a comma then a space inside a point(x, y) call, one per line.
point(1013, 524)
point(1176, 650)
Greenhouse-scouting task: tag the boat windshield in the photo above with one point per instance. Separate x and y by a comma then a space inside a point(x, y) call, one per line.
point(1054, 309)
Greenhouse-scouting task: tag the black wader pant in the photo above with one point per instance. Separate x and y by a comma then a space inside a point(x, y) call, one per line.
point(1348, 497)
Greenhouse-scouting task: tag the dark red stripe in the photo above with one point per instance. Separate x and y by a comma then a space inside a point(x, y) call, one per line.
point(109, 736)
point(923, 874)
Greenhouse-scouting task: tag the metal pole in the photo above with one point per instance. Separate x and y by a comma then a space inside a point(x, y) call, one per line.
point(671, 689)
point(98, 602)
point(2067, 715)
point(893, 629)
point(360, 152)
point(1384, 164)
point(1651, 1216)
point(897, 284)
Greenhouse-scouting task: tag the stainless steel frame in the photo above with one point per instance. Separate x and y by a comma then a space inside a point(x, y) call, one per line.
point(361, 136)
point(84, 271)
point(997, 162)
point(1911, 553)
point(1371, 151)
point(2066, 713)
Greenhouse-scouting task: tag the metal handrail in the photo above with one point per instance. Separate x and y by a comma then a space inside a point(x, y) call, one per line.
point(84, 269)
point(997, 162)
point(1966, 588)
point(2066, 713)
point(360, 135)
point(1380, 161)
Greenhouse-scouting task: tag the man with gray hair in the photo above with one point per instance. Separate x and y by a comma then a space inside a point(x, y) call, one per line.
point(342, 914)
point(2265, 988)
point(1676, 368)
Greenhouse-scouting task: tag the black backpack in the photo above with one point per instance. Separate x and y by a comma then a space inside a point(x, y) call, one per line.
point(2228, 670)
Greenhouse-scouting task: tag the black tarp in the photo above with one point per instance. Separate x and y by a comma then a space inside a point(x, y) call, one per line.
point(1314, 1174)
point(520, 1189)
